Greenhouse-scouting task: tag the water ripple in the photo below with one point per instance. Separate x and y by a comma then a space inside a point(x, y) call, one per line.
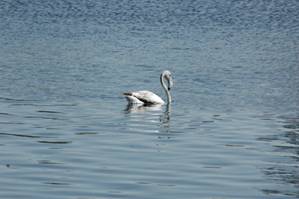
point(66, 131)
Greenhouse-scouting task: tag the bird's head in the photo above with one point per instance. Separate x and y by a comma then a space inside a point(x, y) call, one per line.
point(167, 75)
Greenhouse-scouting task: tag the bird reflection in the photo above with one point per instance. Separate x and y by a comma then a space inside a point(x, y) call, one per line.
point(165, 118)
point(141, 109)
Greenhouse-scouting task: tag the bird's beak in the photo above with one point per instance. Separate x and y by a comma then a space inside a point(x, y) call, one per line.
point(170, 83)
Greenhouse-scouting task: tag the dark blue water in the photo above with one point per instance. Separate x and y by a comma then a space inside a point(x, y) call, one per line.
point(231, 132)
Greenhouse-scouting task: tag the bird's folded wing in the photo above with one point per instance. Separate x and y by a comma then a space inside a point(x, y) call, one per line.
point(148, 97)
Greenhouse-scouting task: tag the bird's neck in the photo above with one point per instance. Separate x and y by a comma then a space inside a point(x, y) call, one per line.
point(165, 88)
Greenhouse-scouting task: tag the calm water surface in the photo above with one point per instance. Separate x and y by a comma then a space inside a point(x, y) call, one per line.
point(231, 132)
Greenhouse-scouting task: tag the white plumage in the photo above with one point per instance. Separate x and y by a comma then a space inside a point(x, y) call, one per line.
point(143, 97)
point(149, 98)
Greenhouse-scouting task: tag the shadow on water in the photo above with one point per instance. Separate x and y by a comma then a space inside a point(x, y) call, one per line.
point(286, 166)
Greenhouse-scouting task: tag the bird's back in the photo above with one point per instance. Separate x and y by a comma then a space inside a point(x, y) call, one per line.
point(147, 97)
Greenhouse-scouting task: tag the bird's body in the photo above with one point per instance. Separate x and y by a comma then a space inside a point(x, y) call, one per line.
point(145, 97)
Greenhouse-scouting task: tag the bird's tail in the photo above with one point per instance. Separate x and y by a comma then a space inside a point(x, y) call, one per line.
point(127, 93)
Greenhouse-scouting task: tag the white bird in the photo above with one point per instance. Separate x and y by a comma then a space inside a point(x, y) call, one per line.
point(149, 98)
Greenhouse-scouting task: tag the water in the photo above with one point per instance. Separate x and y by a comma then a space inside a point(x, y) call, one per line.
point(231, 132)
